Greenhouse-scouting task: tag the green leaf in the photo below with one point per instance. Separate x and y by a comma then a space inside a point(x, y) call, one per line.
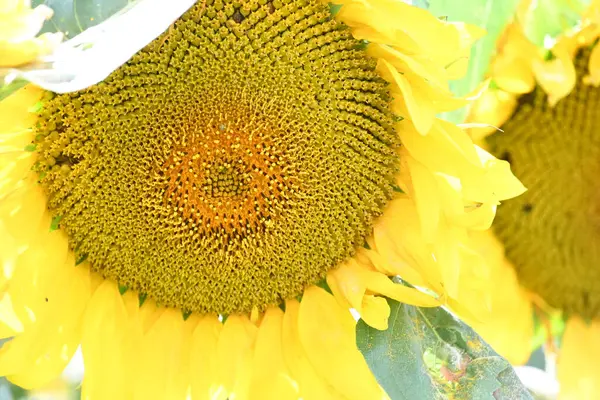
point(428, 354)
point(74, 16)
point(546, 19)
point(493, 16)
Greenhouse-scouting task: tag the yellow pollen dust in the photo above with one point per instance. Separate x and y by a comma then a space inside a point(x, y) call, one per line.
point(229, 164)
point(552, 232)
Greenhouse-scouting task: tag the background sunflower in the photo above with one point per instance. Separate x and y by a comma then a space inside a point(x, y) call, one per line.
point(543, 97)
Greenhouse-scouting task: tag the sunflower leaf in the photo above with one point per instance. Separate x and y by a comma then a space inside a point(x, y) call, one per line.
point(491, 15)
point(429, 354)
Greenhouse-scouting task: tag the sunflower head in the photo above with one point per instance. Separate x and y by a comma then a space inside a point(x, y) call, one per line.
point(245, 156)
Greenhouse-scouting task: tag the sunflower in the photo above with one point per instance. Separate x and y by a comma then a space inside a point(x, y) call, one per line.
point(19, 24)
point(544, 257)
point(202, 221)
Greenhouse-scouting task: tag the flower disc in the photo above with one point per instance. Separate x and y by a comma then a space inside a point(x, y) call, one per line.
point(552, 232)
point(229, 164)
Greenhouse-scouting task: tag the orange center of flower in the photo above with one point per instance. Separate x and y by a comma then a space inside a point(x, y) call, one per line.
point(229, 164)
point(552, 232)
point(229, 179)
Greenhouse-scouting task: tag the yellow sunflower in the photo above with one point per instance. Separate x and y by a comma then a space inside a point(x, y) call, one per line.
point(19, 25)
point(175, 220)
point(545, 256)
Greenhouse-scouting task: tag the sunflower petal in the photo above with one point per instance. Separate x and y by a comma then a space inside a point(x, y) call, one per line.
point(104, 326)
point(235, 353)
point(593, 78)
point(48, 344)
point(327, 333)
point(203, 358)
point(558, 76)
point(271, 379)
point(164, 371)
point(580, 348)
point(14, 113)
point(22, 213)
point(311, 383)
point(427, 198)
point(35, 274)
point(409, 102)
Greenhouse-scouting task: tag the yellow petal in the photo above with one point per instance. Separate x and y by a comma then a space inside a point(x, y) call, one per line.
point(18, 26)
point(132, 343)
point(36, 271)
point(14, 114)
point(500, 311)
point(427, 198)
point(578, 371)
point(164, 367)
point(22, 212)
point(392, 266)
point(381, 284)
point(446, 148)
point(354, 279)
point(20, 23)
point(447, 252)
point(398, 239)
point(272, 379)
point(558, 76)
point(16, 133)
point(205, 381)
point(375, 311)
point(593, 78)
point(379, 22)
point(496, 183)
point(494, 107)
point(347, 285)
point(469, 215)
point(458, 56)
point(102, 344)
point(513, 75)
point(411, 29)
point(234, 355)
point(10, 325)
point(47, 345)
point(19, 53)
point(415, 63)
point(327, 333)
point(409, 102)
point(150, 312)
point(312, 385)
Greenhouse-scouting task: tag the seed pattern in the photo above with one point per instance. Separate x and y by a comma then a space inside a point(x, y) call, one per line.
point(229, 164)
point(552, 232)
